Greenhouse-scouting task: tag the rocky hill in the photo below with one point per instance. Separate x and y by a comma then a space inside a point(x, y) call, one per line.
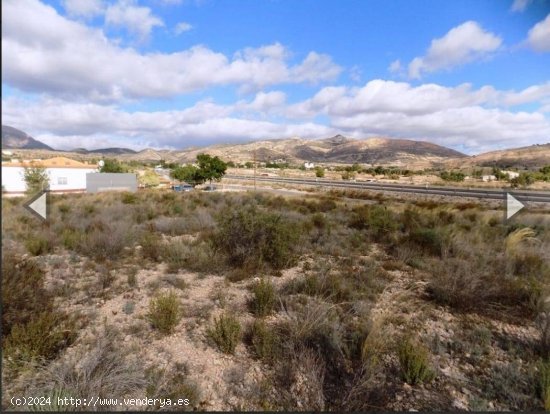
point(334, 150)
point(534, 156)
point(13, 138)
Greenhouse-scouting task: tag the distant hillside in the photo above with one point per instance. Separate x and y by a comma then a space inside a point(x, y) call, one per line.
point(111, 151)
point(534, 156)
point(334, 150)
point(14, 138)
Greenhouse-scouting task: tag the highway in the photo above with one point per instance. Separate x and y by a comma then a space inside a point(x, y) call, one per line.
point(480, 193)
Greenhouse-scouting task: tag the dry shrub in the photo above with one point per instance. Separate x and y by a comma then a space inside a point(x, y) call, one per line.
point(378, 221)
point(196, 256)
point(226, 333)
point(103, 241)
point(152, 246)
point(106, 370)
point(264, 297)
point(414, 362)
point(251, 236)
point(544, 384)
point(43, 337)
point(23, 291)
point(306, 372)
point(165, 312)
point(480, 286)
point(519, 237)
point(174, 384)
point(265, 341)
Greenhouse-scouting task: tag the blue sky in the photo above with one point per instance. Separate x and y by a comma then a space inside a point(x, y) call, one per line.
point(470, 75)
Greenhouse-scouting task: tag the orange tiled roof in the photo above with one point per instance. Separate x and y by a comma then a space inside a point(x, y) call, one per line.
point(56, 162)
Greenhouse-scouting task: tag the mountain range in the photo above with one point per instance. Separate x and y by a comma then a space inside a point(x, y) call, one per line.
point(334, 150)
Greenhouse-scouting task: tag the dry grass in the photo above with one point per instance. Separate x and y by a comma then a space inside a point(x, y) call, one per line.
point(318, 342)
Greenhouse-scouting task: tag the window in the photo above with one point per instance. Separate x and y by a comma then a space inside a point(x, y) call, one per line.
point(61, 180)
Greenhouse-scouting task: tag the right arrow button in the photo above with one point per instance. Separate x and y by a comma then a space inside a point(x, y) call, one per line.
point(512, 205)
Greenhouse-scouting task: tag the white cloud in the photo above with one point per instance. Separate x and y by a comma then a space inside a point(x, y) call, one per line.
point(266, 102)
point(44, 52)
point(395, 66)
point(462, 44)
point(539, 36)
point(84, 8)
point(461, 117)
point(70, 125)
point(477, 118)
point(355, 73)
point(137, 20)
point(182, 27)
point(519, 5)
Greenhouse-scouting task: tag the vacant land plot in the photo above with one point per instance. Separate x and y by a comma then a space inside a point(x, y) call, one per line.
point(240, 301)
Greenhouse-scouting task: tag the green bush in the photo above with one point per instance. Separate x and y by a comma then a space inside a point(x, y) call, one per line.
point(544, 384)
point(43, 336)
point(265, 342)
point(164, 312)
point(38, 245)
point(251, 236)
point(129, 198)
point(452, 176)
point(264, 298)
point(428, 240)
point(379, 222)
point(151, 246)
point(23, 292)
point(226, 333)
point(414, 362)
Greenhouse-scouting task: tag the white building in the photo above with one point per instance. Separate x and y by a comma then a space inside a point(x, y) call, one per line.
point(487, 178)
point(511, 174)
point(65, 175)
point(309, 165)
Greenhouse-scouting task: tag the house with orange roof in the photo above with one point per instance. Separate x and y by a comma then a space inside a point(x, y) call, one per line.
point(64, 174)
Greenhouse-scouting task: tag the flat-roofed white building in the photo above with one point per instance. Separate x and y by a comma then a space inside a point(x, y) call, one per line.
point(65, 174)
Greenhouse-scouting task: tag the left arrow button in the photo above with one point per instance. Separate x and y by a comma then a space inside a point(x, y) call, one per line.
point(38, 205)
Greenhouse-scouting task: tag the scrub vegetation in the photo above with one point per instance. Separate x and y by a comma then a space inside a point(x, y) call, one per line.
point(252, 301)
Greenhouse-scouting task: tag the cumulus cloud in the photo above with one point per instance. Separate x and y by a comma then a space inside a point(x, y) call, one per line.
point(182, 27)
point(462, 44)
point(44, 52)
point(462, 117)
point(84, 8)
point(69, 125)
point(395, 66)
point(135, 19)
point(539, 36)
point(480, 119)
point(519, 5)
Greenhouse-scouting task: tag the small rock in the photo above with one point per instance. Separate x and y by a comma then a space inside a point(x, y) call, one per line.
point(127, 338)
point(407, 387)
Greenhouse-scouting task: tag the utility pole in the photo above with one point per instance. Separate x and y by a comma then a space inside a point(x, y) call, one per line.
point(254, 168)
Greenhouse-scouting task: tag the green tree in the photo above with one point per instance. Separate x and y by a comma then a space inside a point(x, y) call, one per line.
point(452, 176)
point(319, 172)
point(497, 172)
point(112, 166)
point(211, 168)
point(523, 180)
point(36, 179)
point(348, 175)
point(188, 173)
point(149, 179)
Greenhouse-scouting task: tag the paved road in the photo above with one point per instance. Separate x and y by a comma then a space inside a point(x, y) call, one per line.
point(521, 195)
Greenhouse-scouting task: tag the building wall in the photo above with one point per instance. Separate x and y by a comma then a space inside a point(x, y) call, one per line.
point(12, 179)
point(61, 179)
point(99, 182)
